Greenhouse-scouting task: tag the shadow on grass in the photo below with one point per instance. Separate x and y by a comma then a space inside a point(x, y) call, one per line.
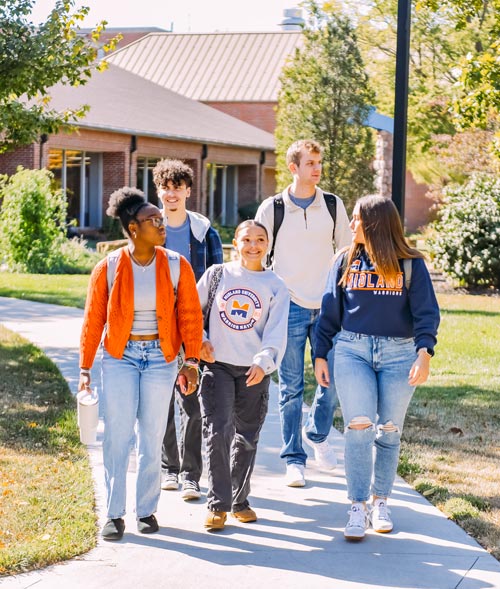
point(37, 409)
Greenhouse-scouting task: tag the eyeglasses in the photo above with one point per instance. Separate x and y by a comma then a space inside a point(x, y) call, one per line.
point(157, 221)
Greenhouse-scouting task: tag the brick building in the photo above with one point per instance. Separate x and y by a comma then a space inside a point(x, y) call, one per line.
point(238, 73)
point(131, 124)
point(209, 99)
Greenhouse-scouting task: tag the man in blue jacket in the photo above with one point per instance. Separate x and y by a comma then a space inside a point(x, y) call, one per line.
point(191, 235)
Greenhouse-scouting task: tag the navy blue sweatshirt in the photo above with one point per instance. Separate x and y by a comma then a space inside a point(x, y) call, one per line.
point(369, 306)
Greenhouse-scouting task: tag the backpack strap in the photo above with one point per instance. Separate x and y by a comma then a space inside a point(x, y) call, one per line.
point(331, 205)
point(174, 263)
point(212, 290)
point(112, 261)
point(279, 214)
point(407, 269)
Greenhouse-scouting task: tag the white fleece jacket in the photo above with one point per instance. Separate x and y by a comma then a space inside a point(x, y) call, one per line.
point(303, 251)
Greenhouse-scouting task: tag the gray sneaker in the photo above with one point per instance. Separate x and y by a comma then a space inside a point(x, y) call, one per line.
point(190, 490)
point(170, 481)
point(358, 522)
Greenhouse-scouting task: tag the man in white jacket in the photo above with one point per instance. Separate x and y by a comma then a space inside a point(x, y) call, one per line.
point(302, 253)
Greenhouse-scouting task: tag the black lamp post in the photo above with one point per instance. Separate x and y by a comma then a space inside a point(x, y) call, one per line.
point(401, 106)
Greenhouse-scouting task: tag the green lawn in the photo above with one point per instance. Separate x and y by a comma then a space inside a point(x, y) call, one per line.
point(451, 440)
point(62, 289)
point(46, 487)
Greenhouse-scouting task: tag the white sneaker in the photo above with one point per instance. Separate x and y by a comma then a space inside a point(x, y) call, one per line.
point(323, 453)
point(358, 522)
point(295, 475)
point(380, 518)
point(170, 481)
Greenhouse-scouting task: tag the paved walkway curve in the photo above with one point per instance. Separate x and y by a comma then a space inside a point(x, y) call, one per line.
point(297, 542)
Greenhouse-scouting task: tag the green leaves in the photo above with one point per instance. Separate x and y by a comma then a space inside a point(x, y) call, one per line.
point(33, 58)
point(465, 241)
point(325, 96)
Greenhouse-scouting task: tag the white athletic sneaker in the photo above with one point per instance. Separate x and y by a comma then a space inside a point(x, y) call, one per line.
point(295, 475)
point(380, 518)
point(323, 453)
point(358, 522)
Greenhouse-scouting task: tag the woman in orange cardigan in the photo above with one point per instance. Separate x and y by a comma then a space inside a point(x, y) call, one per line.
point(144, 324)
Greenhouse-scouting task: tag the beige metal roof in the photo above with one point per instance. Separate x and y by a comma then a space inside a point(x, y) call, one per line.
point(224, 67)
point(126, 103)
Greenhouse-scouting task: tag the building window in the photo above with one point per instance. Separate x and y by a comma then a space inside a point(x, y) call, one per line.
point(79, 174)
point(145, 182)
point(223, 194)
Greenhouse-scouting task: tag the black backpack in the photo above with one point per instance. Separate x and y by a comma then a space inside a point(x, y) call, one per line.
point(279, 214)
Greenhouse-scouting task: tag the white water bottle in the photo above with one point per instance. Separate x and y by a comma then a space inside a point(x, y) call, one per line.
point(88, 415)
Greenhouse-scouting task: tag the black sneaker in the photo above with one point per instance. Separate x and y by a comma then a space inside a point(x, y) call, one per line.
point(147, 525)
point(190, 490)
point(113, 529)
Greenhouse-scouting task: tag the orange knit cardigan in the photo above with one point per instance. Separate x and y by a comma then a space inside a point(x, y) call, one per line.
point(181, 323)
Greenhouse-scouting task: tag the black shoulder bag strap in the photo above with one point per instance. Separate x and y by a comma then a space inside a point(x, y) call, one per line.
point(212, 289)
point(331, 205)
point(279, 214)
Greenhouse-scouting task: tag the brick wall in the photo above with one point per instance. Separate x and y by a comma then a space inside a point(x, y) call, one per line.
point(268, 182)
point(115, 167)
point(27, 156)
point(258, 114)
point(247, 184)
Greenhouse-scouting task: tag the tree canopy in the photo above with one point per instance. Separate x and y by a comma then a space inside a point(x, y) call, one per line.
point(35, 57)
point(454, 69)
point(325, 95)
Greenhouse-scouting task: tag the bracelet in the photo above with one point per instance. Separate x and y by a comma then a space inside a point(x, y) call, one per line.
point(191, 364)
point(84, 371)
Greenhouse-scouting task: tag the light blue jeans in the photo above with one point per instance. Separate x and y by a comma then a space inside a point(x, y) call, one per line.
point(135, 398)
point(301, 325)
point(371, 375)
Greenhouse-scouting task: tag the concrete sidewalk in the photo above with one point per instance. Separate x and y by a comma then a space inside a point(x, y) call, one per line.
point(297, 542)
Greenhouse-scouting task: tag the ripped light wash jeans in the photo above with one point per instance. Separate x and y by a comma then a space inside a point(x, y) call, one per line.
point(371, 376)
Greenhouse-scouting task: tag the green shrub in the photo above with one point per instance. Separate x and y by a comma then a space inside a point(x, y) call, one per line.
point(458, 508)
point(465, 240)
point(76, 258)
point(434, 493)
point(33, 227)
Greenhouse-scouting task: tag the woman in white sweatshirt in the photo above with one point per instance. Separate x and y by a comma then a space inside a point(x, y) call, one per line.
point(244, 342)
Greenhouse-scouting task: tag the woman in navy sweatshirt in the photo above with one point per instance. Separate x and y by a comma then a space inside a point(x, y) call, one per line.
point(380, 306)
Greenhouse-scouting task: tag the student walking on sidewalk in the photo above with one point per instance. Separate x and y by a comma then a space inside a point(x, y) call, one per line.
point(144, 324)
point(191, 235)
point(245, 340)
point(381, 308)
point(302, 250)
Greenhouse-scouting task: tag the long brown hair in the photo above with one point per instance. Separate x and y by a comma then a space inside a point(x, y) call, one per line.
point(385, 242)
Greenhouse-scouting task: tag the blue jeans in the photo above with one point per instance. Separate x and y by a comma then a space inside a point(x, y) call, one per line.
point(371, 374)
point(136, 392)
point(301, 325)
